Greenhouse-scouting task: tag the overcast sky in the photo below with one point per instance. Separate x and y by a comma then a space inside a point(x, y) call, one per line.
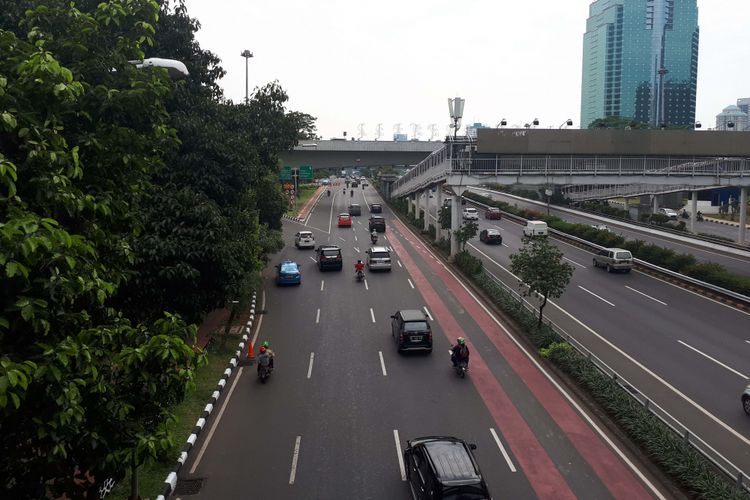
point(391, 62)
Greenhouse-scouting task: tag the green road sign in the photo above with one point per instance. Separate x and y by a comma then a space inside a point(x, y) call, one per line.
point(306, 172)
point(286, 174)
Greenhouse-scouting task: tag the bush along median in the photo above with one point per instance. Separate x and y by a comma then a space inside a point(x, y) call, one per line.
point(714, 274)
point(691, 470)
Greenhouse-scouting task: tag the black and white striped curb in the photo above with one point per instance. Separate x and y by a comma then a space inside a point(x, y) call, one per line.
point(295, 219)
point(171, 481)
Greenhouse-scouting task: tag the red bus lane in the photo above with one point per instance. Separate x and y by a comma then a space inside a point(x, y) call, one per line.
point(537, 465)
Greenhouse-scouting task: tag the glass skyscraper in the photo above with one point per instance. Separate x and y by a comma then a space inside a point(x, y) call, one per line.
point(640, 61)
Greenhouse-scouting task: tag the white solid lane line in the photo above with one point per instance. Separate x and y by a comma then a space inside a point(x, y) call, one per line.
point(428, 313)
point(216, 422)
point(410, 283)
point(399, 455)
point(382, 363)
point(574, 262)
point(647, 296)
point(372, 315)
point(355, 237)
point(295, 456)
point(502, 450)
point(260, 319)
point(399, 263)
point(595, 295)
point(309, 367)
point(714, 360)
point(317, 317)
point(322, 284)
point(498, 227)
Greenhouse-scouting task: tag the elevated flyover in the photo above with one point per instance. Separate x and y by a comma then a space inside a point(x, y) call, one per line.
point(329, 154)
point(686, 159)
point(568, 157)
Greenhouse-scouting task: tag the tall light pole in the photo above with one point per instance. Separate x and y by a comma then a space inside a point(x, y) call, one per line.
point(566, 123)
point(247, 55)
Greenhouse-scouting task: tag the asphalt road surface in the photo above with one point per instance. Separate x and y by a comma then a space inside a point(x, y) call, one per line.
point(739, 264)
point(336, 413)
point(687, 353)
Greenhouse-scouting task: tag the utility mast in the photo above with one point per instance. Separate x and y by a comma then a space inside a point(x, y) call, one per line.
point(361, 131)
point(378, 131)
point(432, 127)
point(416, 131)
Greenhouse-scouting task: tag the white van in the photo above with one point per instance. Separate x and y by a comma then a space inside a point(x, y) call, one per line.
point(535, 228)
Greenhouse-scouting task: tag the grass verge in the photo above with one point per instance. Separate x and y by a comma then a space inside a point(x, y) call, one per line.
point(151, 476)
point(305, 193)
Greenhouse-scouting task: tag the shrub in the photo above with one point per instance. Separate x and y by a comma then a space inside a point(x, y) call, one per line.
point(468, 263)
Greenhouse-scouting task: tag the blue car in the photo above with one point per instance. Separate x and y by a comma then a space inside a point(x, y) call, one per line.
point(288, 273)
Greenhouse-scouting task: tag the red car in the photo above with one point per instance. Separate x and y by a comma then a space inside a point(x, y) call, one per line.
point(345, 220)
point(493, 213)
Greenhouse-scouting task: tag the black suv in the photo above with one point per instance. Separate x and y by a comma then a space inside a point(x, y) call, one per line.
point(443, 467)
point(377, 223)
point(355, 209)
point(376, 208)
point(329, 257)
point(411, 330)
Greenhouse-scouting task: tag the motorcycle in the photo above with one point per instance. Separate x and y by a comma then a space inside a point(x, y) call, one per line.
point(329, 192)
point(461, 367)
point(264, 371)
point(351, 193)
point(374, 239)
point(360, 275)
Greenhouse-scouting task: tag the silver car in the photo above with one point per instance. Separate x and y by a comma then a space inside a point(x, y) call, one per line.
point(614, 259)
point(746, 400)
point(379, 258)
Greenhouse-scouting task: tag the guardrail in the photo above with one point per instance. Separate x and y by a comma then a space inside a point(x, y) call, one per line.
point(720, 461)
point(716, 292)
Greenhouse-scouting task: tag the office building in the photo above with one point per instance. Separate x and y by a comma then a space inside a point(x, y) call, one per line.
point(640, 61)
point(732, 118)
point(744, 105)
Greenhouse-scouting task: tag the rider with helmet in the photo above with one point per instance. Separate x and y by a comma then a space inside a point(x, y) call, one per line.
point(359, 267)
point(460, 352)
point(265, 356)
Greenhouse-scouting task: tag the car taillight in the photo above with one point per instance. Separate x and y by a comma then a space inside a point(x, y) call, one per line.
point(401, 337)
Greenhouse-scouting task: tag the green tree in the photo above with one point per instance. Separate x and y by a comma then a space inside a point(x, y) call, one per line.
point(444, 216)
point(82, 387)
point(539, 264)
point(467, 231)
point(618, 122)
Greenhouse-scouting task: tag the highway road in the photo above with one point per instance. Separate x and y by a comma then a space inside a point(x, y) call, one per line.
point(687, 353)
point(333, 418)
point(739, 264)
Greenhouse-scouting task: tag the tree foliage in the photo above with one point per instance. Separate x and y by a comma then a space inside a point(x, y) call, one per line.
point(540, 266)
point(128, 203)
point(468, 230)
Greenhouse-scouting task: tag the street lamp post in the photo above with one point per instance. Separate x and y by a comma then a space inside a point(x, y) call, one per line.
point(534, 122)
point(566, 123)
point(247, 55)
point(502, 123)
point(456, 109)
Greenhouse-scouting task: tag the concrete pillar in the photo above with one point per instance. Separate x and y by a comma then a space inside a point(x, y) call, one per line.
point(743, 215)
point(655, 208)
point(439, 205)
point(455, 219)
point(427, 209)
point(693, 210)
point(408, 204)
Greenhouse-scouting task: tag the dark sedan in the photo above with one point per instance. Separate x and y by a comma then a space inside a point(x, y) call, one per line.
point(491, 236)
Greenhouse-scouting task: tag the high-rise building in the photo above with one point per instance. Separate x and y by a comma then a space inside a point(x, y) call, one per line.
point(640, 61)
point(744, 105)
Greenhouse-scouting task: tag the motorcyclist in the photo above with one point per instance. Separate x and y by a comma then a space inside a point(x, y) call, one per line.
point(460, 352)
point(374, 236)
point(265, 356)
point(359, 267)
point(351, 193)
point(329, 192)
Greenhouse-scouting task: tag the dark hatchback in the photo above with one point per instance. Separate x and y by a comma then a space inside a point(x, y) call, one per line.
point(443, 467)
point(329, 257)
point(377, 223)
point(491, 236)
point(376, 208)
point(411, 330)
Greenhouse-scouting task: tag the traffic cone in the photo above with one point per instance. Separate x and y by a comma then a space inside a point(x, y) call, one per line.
point(250, 353)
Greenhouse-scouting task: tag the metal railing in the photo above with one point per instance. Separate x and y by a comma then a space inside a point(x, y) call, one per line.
point(585, 192)
point(741, 479)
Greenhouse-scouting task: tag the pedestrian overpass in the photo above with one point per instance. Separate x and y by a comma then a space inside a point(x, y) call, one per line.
point(686, 159)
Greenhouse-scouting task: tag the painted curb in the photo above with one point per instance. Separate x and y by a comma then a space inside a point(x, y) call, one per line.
point(170, 483)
